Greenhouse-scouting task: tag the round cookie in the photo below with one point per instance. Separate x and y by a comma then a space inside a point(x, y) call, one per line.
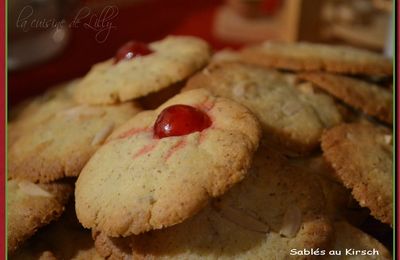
point(361, 155)
point(275, 209)
point(293, 114)
point(61, 143)
point(370, 98)
point(137, 182)
point(31, 206)
point(306, 56)
point(173, 59)
point(349, 237)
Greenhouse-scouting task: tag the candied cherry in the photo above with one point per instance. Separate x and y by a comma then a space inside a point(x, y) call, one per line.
point(177, 120)
point(132, 49)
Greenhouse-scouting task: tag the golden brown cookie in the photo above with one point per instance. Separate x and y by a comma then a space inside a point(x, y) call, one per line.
point(295, 115)
point(306, 56)
point(349, 240)
point(31, 206)
point(61, 144)
point(173, 59)
point(361, 155)
point(274, 210)
point(370, 98)
point(139, 180)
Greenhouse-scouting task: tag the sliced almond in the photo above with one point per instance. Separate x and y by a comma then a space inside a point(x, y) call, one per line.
point(101, 136)
point(82, 112)
point(243, 219)
point(388, 139)
point(291, 222)
point(238, 90)
point(306, 88)
point(32, 189)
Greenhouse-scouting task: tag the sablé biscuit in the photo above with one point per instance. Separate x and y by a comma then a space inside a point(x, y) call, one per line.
point(351, 238)
point(61, 145)
point(31, 206)
point(174, 59)
point(370, 98)
point(295, 115)
point(306, 56)
point(361, 155)
point(275, 209)
point(137, 182)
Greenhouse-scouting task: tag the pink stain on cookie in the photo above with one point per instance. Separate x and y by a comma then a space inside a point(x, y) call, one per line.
point(202, 137)
point(146, 149)
point(179, 145)
point(206, 105)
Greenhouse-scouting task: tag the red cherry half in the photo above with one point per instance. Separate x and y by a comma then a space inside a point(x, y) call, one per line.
point(180, 120)
point(132, 49)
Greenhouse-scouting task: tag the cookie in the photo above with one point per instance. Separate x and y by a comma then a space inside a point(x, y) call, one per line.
point(34, 111)
point(306, 56)
point(274, 210)
point(351, 239)
point(173, 59)
point(293, 115)
point(141, 180)
point(361, 155)
point(31, 206)
point(370, 98)
point(61, 145)
point(337, 197)
point(62, 239)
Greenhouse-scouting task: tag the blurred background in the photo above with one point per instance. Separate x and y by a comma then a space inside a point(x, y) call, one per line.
point(50, 41)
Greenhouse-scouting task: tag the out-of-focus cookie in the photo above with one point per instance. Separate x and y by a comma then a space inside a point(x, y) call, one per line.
point(361, 155)
point(34, 111)
point(61, 145)
point(352, 239)
point(172, 59)
point(317, 57)
point(295, 115)
point(370, 98)
point(62, 239)
point(274, 210)
point(142, 179)
point(31, 206)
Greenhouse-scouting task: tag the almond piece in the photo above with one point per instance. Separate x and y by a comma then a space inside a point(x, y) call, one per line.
point(291, 222)
point(101, 136)
point(82, 111)
point(243, 219)
point(32, 189)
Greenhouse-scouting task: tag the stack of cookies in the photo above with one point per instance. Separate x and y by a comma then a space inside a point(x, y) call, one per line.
point(167, 151)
